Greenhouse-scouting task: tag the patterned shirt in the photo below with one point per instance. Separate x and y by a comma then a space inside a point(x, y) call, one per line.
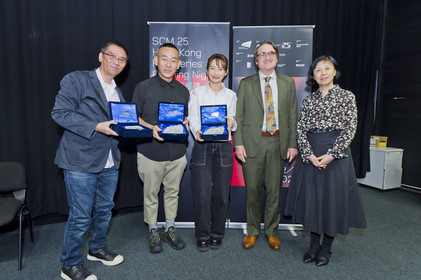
point(336, 111)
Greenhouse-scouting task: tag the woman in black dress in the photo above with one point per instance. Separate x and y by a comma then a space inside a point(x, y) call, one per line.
point(323, 194)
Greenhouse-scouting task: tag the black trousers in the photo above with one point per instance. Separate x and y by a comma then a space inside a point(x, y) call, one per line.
point(211, 172)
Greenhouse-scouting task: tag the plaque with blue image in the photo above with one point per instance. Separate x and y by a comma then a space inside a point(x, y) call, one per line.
point(125, 115)
point(170, 121)
point(214, 122)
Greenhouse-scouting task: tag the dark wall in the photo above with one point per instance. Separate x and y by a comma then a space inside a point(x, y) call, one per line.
point(42, 40)
point(400, 99)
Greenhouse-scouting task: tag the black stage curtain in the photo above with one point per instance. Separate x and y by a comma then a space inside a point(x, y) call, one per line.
point(399, 114)
point(42, 40)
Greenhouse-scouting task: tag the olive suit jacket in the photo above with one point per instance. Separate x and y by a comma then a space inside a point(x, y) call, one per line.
point(250, 114)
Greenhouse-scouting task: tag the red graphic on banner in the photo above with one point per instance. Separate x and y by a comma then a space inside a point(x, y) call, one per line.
point(181, 79)
point(237, 179)
point(200, 80)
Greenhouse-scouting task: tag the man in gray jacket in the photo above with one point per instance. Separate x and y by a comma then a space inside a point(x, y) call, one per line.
point(89, 156)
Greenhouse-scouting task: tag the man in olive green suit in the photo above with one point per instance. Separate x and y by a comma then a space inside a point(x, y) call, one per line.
point(265, 139)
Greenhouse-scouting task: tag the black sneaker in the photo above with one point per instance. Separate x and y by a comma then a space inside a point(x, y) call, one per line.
point(155, 244)
point(76, 272)
point(215, 243)
point(202, 245)
point(173, 239)
point(106, 257)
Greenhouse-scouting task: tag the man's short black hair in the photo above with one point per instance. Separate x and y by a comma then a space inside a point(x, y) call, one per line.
point(168, 45)
point(108, 43)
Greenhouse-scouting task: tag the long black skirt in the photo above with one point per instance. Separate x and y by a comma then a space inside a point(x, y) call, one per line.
point(325, 200)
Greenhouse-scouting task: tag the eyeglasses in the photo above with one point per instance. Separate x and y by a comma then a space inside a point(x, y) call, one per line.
point(264, 54)
point(113, 57)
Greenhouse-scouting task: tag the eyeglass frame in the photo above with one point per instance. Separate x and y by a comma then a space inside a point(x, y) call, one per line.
point(265, 42)
point(264, 54)
point(113, 57)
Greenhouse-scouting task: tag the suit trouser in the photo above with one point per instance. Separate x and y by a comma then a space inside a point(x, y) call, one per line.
point(265, 169)
point(153, 174)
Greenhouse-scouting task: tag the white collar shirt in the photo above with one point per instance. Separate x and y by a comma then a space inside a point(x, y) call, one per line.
point(204, 95)
point(111, 95)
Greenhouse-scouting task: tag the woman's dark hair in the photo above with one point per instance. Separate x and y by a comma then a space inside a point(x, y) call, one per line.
point(310, 79)
point(220, 60)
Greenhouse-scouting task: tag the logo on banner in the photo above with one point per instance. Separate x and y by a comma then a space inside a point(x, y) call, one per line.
point(245, 45)
point(286, 45)
point(300, 43)
point(299, 63)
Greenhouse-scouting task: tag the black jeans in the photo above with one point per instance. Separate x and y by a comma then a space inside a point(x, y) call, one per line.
point(211, 172)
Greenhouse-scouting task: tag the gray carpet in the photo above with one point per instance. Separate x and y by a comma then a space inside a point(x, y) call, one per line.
point(390, 248)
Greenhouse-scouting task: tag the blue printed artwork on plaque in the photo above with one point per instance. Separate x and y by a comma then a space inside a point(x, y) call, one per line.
point(125, 115)
point(170, 121)
point(214, 122)
point(124, 112)
point(171, 112)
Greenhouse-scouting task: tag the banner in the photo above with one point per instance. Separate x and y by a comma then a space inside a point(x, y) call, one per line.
point(295, 44)
point(196, 42)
